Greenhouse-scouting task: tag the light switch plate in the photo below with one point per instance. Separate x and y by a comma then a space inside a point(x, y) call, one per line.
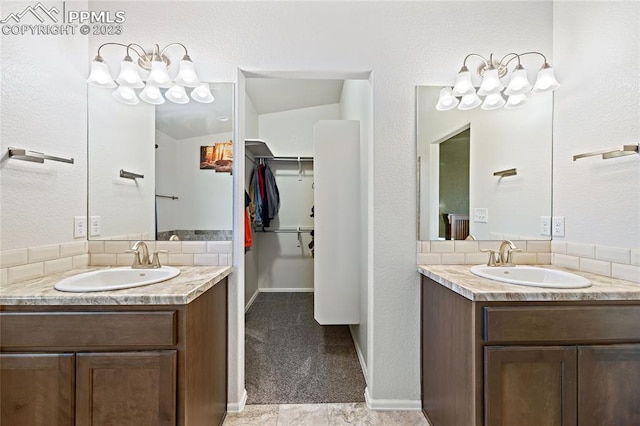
point(79, 227)
point(481, 215)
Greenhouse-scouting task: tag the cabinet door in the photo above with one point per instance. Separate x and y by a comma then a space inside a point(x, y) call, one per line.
point(530, 386)
point(36, 389)
point(126, 388)
point(609, 385)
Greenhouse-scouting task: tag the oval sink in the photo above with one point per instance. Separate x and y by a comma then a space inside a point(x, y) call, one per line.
point(531, 276)
point(115, 279)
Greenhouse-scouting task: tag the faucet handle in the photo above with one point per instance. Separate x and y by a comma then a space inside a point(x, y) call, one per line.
point(155, 259)
point(136, 258)
point(492, 256)
point(509, 260)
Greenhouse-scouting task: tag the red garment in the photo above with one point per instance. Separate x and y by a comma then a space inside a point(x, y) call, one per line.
point(248, 240)
point(261, 181)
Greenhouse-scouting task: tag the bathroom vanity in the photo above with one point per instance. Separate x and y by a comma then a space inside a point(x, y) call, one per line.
point(151, 355)
point(501, 354)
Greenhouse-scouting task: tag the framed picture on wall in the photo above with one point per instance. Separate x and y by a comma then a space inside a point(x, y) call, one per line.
point(218, 157)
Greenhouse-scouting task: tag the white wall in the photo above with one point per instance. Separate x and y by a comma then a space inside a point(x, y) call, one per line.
point(356, 104)
point(597, 58)
point(251, 131)
point(284, 263)
point(405, 44)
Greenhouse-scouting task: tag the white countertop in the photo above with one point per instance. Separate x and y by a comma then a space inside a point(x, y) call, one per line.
point(459, 279)
point(181, 290)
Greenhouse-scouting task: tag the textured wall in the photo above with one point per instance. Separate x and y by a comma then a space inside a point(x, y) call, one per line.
point(597, 57)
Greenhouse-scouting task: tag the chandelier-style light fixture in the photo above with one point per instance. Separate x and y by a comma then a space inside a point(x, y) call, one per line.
point(157, 63)
point(463, 94)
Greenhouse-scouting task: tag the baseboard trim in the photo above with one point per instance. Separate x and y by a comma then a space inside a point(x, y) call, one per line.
point(250, 302)
point(363, 364)
point(286, 290)
point(391, 404)
point(237, 407)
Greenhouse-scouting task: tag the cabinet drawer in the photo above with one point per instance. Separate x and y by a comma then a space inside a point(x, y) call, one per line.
point(561, 324)
point(87, 329)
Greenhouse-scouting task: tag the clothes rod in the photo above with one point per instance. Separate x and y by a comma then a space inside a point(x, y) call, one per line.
point(286, 231)
point(34, 156)
point(305, 159)
point(130, 175)
point(173, 197)
point(611, 152)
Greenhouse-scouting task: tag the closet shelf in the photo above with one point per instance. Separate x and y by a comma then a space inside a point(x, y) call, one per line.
point(258, 148)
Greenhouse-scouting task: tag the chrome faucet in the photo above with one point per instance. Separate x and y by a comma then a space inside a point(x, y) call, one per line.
point(141, 258)
point(505, 256)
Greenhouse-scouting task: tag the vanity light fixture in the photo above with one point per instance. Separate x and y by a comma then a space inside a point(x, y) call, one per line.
point(157, 63)
point(463, 94)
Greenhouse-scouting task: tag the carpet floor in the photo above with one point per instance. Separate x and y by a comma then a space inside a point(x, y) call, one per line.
point(291, 359)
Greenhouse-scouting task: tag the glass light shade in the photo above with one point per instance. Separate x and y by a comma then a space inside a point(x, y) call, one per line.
point(463, 85)
point(187, 76)
point(493, 101)
point(126, 95)
point(151, 94)
point(545, 81)
point(159, 75)
point(100, 75)
point(177, 94)
point(446, 101)
point(129, 75)
point(515, 101)
point(202, 93)
point(491, 83)
point(469, 102)
point(518, 83)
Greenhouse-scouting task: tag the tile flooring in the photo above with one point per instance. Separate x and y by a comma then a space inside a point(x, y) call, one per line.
point(355, 413)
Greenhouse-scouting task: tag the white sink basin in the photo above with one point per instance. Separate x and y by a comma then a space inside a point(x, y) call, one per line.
point(116, 279)
point(531, 276)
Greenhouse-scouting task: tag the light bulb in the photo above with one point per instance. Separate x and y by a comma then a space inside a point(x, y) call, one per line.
point(518, 83)
point(100, 75)
point(126, 95)
point(187, 76)
point(545, 80)
point(129, 75)
point(463, 85)
point(493, 101)
point(159, 75)
point(446, 101)
point(469, 102)
point(151, 94)
point(177, 94)
point(202, 93)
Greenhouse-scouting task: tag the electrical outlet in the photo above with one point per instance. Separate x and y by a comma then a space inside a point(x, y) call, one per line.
point(545, 225)
point(95, 226)
point(79, 227)
point(558, 226)
point(481, 215)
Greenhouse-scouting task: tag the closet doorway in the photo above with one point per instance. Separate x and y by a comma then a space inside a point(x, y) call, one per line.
point(288, 122)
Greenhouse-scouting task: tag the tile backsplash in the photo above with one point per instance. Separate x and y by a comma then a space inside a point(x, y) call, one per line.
point(615, 262)
point(35, 262)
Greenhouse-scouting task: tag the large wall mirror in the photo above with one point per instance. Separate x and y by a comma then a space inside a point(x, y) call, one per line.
point(151, 168)
point(483, 173)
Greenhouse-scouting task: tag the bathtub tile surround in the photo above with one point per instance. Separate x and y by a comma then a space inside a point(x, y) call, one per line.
point(614, 262)
point(36, 262)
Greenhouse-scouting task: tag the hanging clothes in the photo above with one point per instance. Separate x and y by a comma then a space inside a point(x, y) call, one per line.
point(248, 238)
point(264, 195)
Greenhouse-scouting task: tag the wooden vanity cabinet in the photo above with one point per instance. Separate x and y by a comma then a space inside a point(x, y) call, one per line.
point(528, 363)
point(115, 365)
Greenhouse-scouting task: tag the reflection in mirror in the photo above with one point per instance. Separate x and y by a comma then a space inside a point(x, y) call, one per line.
point(185, 192)
point(458, 154)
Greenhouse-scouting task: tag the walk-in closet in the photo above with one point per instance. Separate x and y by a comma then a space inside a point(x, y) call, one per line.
point(306, 164)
